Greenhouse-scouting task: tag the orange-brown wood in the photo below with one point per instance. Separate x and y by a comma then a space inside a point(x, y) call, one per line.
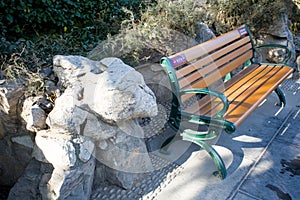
point(213, 69)
point(245, 92)
point(211, 45)
point(219, 72)
point(228, 84)
point(240, 92)
point(209, 58)
point(246, 105)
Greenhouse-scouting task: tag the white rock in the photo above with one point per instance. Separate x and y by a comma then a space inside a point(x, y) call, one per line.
point(75, 183)
point(86, 148)
point(57, 148)
point(125, 92)
point(69, 68)
point(101, 104)
point(102, 144)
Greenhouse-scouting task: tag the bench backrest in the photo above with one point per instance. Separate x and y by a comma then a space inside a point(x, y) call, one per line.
point(204, 64)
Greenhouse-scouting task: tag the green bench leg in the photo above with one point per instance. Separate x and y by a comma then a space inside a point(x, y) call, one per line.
point(281, 96)
point(222, 172)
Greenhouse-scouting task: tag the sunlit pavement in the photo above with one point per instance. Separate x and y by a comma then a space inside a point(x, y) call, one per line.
point(262, 157)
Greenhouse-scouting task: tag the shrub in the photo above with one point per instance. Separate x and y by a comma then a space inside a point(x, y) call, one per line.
point(33, 31)
point(256, 13)
point(27, 17)
point(181, 15)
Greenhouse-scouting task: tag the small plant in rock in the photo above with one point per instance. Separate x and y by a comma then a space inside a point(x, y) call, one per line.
point(13, 68)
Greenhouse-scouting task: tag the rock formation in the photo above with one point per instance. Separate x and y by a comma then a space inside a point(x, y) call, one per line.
point(278, 33)
point(92, 131)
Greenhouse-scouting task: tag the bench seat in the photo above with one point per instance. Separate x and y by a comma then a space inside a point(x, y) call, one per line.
point(245, 92)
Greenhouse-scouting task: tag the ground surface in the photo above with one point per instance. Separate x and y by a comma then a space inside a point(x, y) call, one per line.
point(262, 157)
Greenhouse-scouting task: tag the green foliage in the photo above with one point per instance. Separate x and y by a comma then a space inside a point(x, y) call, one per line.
point(176, 15)
point(27, 17)
point(22, 60)
point(141, 37)
point(33, 31)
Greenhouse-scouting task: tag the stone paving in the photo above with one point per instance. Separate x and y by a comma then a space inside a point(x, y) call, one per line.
point(262, 157)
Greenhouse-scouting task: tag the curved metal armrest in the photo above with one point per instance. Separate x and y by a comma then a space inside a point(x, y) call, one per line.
point(279, 46)
point(219, 95)
point(229, 127)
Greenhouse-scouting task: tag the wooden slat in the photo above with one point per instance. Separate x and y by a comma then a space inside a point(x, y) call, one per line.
point(254, 87)
point(221, 72)
point(203, 48)
point(247, 82)
point(248, 75)
point(213, 68)
point(237, 78)
point(198, 107)
point(211, 57)
point(203, 65)
point(234, 91)
point(233, 64)
point(271, 82)
point(240, 91)
point(206, 100)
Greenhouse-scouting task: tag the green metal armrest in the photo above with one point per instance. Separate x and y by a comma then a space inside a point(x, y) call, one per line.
point(219, 95)
point(218, 121)
point(278, 46)
point(213, 122)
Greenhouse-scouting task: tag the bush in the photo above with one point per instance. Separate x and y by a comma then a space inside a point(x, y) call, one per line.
point(181, 15)
point(258, 14)
point(27, 17)
point(33, 31)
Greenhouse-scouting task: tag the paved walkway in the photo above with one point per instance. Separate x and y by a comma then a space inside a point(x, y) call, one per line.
point(262, 157)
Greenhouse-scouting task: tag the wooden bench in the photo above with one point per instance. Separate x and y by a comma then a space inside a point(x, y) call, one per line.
point(219, 105)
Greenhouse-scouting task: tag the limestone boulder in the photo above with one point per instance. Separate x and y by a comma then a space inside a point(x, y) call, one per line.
point(68, 148)
point(125, 93)
point(11, 123)
point(69, 68)
point(277, 33)
point(119, 93)
point(37, 119)
point(100, 102)
point(156, 78)
point(73, 164)
point(75, 183)
point(42, 181)
point(27, 186)
point(15, 155)
point(15, 141)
